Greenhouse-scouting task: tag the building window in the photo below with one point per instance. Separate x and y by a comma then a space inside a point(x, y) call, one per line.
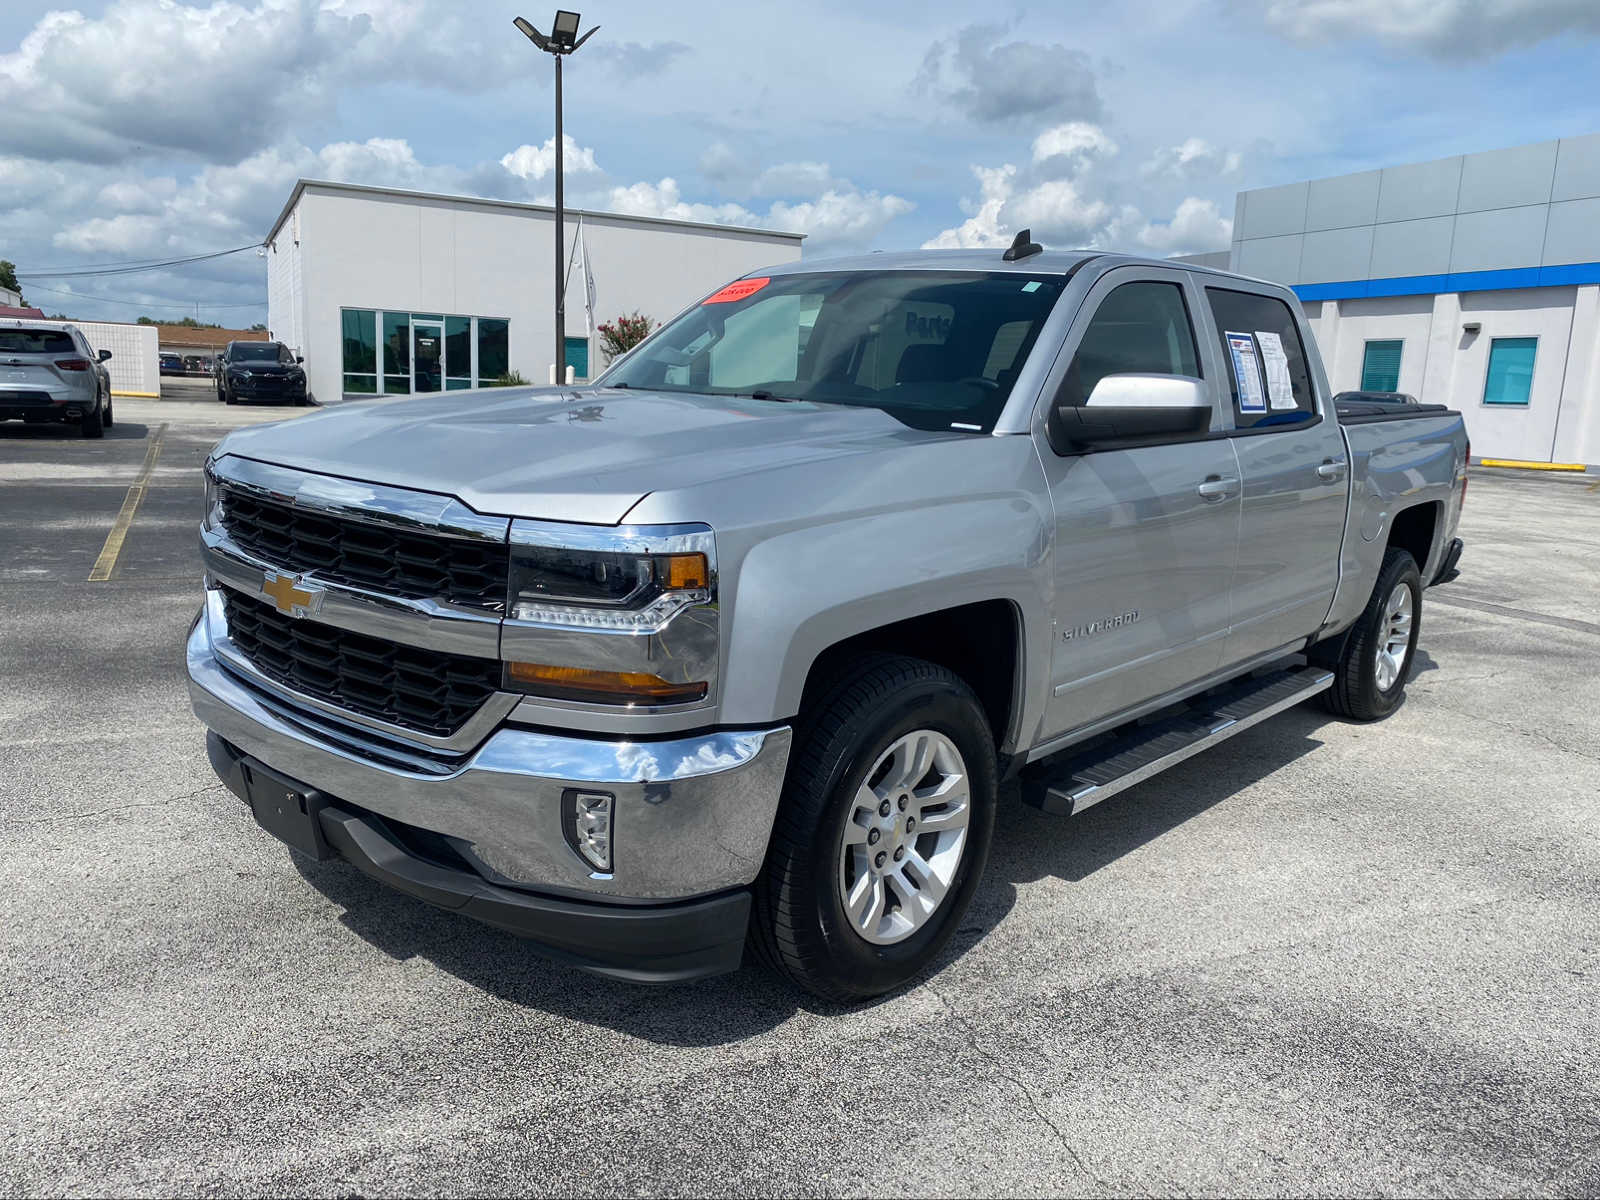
point(360, 350)
point(457, 353)
point(1380, 366)
point(1510, 376)
point(396, 353)
point(381, 351)
point(494, 350)
point(578, 356)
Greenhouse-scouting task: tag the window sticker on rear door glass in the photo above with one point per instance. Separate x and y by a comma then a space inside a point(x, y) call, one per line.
point(1242, 347)
point(1280, 392)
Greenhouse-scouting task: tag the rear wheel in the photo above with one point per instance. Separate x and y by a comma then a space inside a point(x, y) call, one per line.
point(883, 831)
point(92, 424)
point(1372, 660)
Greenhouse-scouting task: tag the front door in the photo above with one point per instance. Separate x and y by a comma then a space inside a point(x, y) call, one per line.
point(1143, 559)
point(427, 357)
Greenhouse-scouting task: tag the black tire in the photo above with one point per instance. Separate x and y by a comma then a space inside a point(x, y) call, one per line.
point(799, 926)
point(92, 424)
point(1353, 656)
point(228, 397)
point(109, 417)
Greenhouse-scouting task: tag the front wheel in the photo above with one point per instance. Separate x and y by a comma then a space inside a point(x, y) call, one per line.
point(109, 417)
point(1372, 660)
point(882, 833)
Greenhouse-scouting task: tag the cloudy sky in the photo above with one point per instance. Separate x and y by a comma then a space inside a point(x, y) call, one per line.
point(150, 129)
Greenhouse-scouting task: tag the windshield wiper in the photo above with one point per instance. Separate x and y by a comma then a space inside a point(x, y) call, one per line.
point(763, 394)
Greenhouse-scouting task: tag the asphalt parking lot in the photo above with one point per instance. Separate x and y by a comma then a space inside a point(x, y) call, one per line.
point(1325, 959)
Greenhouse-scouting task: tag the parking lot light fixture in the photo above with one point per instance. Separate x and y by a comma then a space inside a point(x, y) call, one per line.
point(563, 39)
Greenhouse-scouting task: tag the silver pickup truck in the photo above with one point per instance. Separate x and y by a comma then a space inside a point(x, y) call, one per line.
point(739, 644)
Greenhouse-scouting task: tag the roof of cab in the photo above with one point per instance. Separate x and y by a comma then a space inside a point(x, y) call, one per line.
point(1046, 262)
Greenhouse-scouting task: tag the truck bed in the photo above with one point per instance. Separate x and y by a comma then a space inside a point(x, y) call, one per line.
point(1361, 412)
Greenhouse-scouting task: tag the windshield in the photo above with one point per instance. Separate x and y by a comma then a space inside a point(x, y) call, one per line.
point(934, 349)
point(254, 352)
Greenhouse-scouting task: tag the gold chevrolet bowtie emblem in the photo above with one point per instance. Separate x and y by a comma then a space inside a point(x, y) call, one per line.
point(289, 597)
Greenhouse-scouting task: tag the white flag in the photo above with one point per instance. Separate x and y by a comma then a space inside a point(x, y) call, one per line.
point(580, 258)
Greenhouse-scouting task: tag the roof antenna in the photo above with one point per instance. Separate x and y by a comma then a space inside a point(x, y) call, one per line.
point(1022, 247)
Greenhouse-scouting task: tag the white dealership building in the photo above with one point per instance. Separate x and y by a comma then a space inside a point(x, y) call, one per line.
point(391, 292)
point(1471, 281)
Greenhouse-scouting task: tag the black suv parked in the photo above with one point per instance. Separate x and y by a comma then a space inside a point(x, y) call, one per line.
point(260, 371)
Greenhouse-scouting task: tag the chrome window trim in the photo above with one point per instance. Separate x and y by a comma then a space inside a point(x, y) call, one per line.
point(371, 503)
point(427, 624)
point(477, 727)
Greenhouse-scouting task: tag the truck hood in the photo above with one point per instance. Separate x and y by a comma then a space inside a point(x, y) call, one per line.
point(563, 454)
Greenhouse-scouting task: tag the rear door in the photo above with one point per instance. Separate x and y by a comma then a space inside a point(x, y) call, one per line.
point(1142, 560)
point(1292, 459)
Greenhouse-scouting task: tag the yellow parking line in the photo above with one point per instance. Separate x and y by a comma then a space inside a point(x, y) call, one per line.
point(145, 395)
point(106, 564)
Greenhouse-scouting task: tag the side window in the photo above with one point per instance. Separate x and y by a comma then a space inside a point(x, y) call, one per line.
point(1140, 328)
point(1267, 370)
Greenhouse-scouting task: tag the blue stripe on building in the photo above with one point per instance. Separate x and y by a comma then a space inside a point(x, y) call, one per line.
point(1461, 281)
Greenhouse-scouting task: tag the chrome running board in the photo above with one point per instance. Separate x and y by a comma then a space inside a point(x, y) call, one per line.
point(1080, 778)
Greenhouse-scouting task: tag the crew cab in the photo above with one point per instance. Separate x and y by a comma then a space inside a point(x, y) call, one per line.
point(736, 646)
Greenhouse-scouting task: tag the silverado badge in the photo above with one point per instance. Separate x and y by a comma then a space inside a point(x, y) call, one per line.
point(290, 596)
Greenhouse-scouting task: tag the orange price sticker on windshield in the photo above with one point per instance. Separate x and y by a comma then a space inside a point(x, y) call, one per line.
point(737, 291)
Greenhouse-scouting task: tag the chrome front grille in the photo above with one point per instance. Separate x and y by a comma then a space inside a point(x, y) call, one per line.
point(380, 557)
point(423, 690)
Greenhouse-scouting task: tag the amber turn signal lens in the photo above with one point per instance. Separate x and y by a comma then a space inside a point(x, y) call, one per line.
point(685, 572)
point(604, 687)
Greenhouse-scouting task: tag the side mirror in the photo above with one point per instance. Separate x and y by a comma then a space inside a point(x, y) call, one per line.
point(104, 354)
point(1130, 409)
point(298, 359)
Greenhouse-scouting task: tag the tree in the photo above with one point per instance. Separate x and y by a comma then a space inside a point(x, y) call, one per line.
point(258, 327)
point(623, 334)
point(8, 277)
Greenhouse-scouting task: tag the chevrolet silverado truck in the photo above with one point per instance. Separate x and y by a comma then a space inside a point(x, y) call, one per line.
point(737, 646)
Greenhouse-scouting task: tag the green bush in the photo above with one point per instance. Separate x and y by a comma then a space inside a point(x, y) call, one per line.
point(507, 379)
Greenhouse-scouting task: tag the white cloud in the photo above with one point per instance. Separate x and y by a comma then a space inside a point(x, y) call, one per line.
point(1076, 144)
point(535, 162)
point(984, 228)
point(1193, 158)
point(1058, 210)
point(1196, 227)
point(836, 218)
point(1443, 28)
point(1068, 196)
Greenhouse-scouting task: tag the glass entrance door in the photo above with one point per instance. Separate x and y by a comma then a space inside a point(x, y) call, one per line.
point(427, 357)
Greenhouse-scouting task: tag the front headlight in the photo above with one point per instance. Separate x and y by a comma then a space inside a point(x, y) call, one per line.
point(213, 516)
point(611, 616)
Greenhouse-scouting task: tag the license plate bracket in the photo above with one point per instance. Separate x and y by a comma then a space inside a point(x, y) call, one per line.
point(287, 809)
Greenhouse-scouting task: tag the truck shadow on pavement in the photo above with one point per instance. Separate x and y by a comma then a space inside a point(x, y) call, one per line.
point(1028, 846)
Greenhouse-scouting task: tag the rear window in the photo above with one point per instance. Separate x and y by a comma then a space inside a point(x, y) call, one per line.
point(36, 341)
point(1266, 361)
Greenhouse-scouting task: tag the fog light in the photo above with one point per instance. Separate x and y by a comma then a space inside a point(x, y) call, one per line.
point(586, 819)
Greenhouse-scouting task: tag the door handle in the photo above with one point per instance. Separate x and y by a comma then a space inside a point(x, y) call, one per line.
point(1217, 488)
point(1331, 470)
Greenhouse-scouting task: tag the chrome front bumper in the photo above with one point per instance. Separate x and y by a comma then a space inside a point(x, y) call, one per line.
point(693, 814)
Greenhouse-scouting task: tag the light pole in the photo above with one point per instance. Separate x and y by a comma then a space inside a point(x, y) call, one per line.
point(562, 39)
